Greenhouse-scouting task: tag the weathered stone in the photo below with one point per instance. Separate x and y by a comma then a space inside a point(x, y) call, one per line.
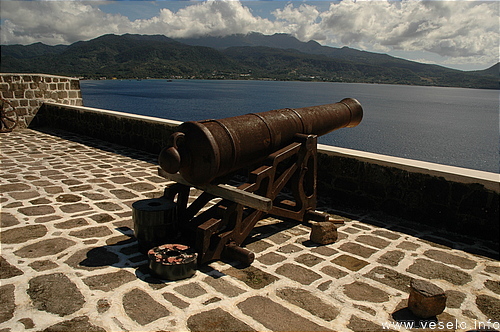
point(212, 300)
point(309, 260)
point(390, 278)
point(258, 246)
point(365, 309)
point(350, 262)
point(93, 258)
point(276, 317)
point(140, 186)
point(373, 241)
point(357, 249)
point(120, 240)
point(323, 232)
point(8, 271)
point(279, 238)
point(175, 300)
point(72, 223)
point(108, 206)
point(76, 207)
point(95, 196)
point(39, 210)
point(102, 218)
point(142, 308)
point(489, 306)
point(454, 298)
point(27, 322)
point(68, 198)
point(99, 231)
point(289, 248)
point(361, 291)
point(448, 258)
point(493, 269)
point(8, 304)
point(5, 188)
point(191, 290)
point(309, 302)
point(298, 273)
point(40, 201)
point(76, 324)
point(426, 299)
point(123, 194)
point(432, 270)
point(121, 179)
point(324, 285)
point(334, 272)
point(386, 234)
point(7, 220)
point(43, 265)
point(252, 276)
point(493, 285)
point(271, 258)
point(216, 320)
point(109, 281)
point(23, 234)
point(359, 324)
point(103, 305)
point(56, 294)
point(44, 248)
point(324, 250)
point(392, 258)
point(71, 182)
point(23, 195)
point(223, 286)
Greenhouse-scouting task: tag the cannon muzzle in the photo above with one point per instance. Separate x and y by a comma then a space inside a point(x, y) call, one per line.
point(202, 151)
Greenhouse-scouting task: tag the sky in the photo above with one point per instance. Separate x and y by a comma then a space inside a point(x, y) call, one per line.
point(461, 34)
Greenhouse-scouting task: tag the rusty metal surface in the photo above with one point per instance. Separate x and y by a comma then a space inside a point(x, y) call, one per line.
point(205, 150)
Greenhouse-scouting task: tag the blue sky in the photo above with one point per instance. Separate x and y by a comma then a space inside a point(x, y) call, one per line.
point(458, 34)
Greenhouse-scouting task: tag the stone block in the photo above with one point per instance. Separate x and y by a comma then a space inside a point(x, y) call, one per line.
point(426, 299)
point(324, 232)
point(7, 94)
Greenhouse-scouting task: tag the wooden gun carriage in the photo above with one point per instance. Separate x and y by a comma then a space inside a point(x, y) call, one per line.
point(275, 155)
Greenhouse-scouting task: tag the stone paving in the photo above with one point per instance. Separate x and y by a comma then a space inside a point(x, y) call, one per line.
point(69, 260)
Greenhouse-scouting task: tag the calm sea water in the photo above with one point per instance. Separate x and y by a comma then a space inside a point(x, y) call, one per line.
point(452, 126)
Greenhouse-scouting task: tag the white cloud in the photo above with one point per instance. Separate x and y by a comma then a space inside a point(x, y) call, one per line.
point(56, 22)
point(213, 18)
point(457, 31)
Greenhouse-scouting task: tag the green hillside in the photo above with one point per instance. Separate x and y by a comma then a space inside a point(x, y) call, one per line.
point(233, 57)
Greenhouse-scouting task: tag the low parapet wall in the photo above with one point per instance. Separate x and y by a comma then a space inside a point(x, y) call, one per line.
point(458, 200)
point(27, 92)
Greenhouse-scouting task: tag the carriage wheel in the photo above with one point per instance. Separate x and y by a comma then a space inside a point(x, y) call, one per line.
point(8, 116)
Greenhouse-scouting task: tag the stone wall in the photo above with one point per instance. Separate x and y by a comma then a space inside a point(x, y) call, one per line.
point(135, 131)
point(455, 199)
point(458, 200)
point(26, 92)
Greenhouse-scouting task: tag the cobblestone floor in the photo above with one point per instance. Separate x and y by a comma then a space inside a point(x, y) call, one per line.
point(69, 260)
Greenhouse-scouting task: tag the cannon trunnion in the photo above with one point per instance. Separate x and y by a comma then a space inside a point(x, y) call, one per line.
point(277, 150)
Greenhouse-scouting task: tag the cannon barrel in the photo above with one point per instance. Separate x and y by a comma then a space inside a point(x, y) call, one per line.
point(202, 151)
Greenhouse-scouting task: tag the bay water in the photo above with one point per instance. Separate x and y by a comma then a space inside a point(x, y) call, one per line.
point(451, 126)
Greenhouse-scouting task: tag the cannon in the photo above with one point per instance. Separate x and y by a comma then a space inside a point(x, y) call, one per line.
point(259, 164)
point(205, 150)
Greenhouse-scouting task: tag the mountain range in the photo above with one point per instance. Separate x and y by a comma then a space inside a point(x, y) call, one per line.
point(251, 56)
